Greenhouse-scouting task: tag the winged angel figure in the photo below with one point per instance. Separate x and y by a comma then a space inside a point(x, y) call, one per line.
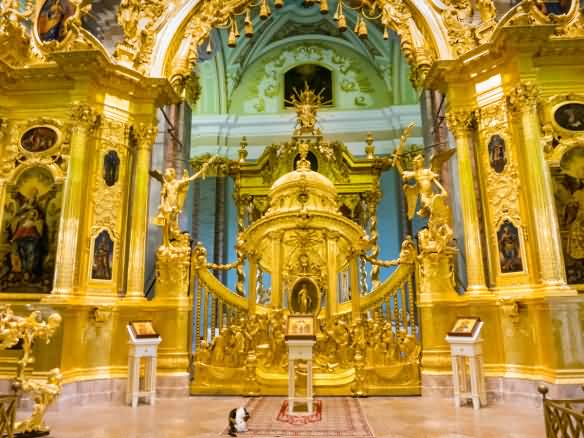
point(433, 204)
point(172, 198)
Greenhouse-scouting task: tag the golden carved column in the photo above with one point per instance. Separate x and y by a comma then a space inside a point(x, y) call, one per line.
point(331, 261)
point(84, 121)
point(253, 283)
point(276, 238)
point(545, 229)
point(144, 136)
point(355, 291)
point(459, 123)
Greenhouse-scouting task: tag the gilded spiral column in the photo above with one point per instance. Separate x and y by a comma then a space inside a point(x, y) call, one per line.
point(84, 121)
point(372, 201)
point(144, 136)
point(545, 229)
point(459, 123)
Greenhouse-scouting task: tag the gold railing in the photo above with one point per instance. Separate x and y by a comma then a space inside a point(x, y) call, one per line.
point(216, 306)
point(7, 414)
point(563, 418)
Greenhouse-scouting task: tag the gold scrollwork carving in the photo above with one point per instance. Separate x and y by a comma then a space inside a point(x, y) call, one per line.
point(573, 29)
point(28, 329)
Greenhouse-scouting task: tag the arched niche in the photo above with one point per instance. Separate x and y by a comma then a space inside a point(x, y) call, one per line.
point(314, 76)
point(356, 82)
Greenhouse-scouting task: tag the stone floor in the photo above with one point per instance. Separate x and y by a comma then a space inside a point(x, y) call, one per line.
point(204, 417)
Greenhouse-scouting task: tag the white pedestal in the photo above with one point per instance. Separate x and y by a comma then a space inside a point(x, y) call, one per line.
point(145, 348)
point(469, 349)
point(300, 350)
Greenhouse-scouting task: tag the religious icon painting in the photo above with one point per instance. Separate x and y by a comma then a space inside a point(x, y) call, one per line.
point(570, 116)
point(300, 327)
point(103, 254)
point(304, 298)
point(143, 329)
point(465, 326)
point(497, 153)
point(509, 248)
point(39, 139)
point(30, 226)
point(111, 168)
point(52, 20)
point(569, 196)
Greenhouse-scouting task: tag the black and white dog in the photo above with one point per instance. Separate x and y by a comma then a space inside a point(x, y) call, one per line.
point(238, 421)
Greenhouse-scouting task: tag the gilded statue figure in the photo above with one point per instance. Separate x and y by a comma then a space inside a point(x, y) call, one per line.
point(304, 300)
point(306, 102)
point(172, 199)
point(433, 204)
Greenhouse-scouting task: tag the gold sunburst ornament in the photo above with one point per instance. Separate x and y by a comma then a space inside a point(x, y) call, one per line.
point(306, 102)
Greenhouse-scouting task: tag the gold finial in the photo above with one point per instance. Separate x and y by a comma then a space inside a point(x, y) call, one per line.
point(248, 25)
point(233, 34)
point(361, 28)
point(265, 10)
point(303, 164)
point(340, 18)
point(243, 149)
point(370, 149)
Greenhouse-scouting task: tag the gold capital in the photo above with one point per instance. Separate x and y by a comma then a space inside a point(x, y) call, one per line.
point(523, 98)
point(85, 117)
point(144, 134)
point(460, 121)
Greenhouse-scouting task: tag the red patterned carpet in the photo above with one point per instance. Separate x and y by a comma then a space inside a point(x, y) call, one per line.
point(340, 417)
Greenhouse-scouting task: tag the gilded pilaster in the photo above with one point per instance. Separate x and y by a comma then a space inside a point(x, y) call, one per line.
point(144, 136)
point(84, 121)
point(460, 123)
point(522, 102)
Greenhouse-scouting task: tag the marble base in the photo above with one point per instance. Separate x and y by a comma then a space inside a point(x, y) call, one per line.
point(503, 389)
point(107, 391)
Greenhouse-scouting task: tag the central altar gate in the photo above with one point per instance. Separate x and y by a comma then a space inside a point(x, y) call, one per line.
point(307, 244)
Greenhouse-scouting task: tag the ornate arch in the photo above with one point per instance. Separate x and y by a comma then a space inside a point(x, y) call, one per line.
point(171, 50)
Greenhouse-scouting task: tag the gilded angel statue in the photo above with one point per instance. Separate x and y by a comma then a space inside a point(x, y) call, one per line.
point(172, 199)
point(425, 179)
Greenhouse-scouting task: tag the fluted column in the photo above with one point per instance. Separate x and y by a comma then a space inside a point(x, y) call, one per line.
point(460, 123)
point(84, 121)
point(545, 229)
point(144, 136)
